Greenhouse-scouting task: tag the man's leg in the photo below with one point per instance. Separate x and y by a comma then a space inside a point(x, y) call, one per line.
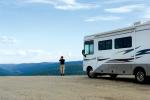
point(63, 69)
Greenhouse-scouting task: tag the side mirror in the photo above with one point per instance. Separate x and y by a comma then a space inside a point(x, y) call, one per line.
point(83, 53)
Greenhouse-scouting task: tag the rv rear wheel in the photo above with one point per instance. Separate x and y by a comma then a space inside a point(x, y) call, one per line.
point(140, 76)
point(90, 73)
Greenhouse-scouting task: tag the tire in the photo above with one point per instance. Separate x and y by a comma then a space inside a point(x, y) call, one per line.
point(91, 74)
point(140, 76)
point(113, 76)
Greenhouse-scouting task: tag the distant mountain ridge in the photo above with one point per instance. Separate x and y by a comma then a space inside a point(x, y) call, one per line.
point(45, 68)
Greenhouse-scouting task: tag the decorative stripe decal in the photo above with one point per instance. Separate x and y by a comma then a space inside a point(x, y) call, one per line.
point(103, 59)
point(137, 56)
point(142, 52)
point(121, 60)
point(90, 59)
point(129, 50)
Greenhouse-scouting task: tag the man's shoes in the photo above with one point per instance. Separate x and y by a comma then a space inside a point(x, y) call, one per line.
point(62, 74)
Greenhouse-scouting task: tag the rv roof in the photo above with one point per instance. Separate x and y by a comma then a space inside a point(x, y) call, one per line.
point(118, 30)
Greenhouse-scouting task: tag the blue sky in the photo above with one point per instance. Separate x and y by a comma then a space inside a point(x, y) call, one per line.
point(43, 30)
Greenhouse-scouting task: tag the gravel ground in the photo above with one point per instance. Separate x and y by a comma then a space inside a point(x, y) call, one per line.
point(72, 88)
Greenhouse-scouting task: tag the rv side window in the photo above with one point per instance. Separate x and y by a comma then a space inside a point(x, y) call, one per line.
point(125, 42)
point(105, 45)
point(89, 47)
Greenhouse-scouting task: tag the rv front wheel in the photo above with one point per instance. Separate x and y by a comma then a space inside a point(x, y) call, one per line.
point(140, 76)
point(90, 73)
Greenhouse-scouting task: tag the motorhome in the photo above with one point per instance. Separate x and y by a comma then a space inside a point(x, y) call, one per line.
point(124, 51)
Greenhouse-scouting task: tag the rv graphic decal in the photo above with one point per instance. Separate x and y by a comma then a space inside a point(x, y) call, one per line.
point(120, 60)
point(143, 52)
point(123, 60)
point(90, 59)
point(129, 50)
point(103, 59)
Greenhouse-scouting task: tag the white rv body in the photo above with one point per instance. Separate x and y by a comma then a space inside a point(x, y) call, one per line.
point(119, 51)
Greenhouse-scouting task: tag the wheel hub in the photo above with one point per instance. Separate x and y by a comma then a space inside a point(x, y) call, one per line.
point(140, 76)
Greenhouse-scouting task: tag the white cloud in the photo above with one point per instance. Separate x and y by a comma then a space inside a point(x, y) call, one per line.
point(119, 1)
point(23, 55)
point(30, 52)
point(64, 4)
point(102, 18)
point(34, 56)
point(21, 52)
point(7, 40)
point(4, 52)
point(127, 8)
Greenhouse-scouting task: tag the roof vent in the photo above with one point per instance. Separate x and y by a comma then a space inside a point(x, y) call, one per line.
point(137, 23)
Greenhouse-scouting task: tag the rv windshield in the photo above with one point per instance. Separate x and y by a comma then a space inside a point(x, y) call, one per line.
point(89, 47)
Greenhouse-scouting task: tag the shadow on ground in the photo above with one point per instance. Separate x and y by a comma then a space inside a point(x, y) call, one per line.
point(124, 79)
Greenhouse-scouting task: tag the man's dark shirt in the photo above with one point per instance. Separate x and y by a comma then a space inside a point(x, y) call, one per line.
point(62, 61)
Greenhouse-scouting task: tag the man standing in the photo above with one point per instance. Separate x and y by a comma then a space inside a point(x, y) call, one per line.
point(62, 65)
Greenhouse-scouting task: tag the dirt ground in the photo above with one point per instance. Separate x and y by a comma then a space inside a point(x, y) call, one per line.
point(72, 88)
